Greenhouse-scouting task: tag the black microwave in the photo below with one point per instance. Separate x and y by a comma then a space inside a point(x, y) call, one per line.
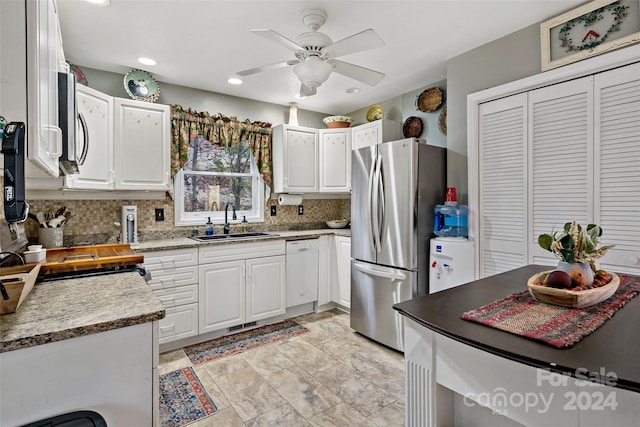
point(74, 142)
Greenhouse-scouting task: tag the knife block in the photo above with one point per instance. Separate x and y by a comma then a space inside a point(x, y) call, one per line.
point(18, 281)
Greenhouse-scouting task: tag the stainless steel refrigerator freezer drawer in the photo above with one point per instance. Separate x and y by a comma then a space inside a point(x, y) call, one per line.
point(374, 291)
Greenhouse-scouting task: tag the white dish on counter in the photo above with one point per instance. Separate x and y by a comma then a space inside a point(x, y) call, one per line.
point(337, 223)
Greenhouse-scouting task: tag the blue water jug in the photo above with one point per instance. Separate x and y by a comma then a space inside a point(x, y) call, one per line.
point(451, 221)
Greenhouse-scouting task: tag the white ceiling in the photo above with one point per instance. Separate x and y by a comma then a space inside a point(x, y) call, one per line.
point(201, 43)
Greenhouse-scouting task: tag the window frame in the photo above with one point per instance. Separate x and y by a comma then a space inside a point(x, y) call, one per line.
point(183, 218)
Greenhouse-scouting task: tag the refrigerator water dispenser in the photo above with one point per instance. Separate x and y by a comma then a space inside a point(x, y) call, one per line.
point(451, 263)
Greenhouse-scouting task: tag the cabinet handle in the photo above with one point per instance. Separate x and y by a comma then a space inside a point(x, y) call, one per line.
point(58, 141)
point(167, 328)
point(167, 300)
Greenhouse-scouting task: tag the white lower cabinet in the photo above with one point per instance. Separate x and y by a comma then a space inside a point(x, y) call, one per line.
point(246, 285)
point(174, 280)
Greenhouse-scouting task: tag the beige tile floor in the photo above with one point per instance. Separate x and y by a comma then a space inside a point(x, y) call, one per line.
point(330, 376)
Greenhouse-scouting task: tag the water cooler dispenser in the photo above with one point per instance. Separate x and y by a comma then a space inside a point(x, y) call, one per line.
point(451, 260)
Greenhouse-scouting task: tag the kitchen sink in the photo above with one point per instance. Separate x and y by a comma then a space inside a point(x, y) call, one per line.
point(235, 236)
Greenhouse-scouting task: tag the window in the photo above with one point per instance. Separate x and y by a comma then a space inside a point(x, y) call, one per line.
point(215, 177)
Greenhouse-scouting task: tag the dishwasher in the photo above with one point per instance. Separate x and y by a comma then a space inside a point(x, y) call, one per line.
point(302, 271)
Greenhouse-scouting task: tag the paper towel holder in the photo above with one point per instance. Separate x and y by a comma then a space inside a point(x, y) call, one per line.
point(290, 199)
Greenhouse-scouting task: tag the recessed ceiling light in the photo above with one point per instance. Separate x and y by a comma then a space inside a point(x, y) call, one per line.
point(353, 90)
point(147, 61)
point(235, 81)
point(102, 3)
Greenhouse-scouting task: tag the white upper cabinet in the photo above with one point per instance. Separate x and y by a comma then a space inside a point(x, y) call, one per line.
point(95, 114)
point(44, 135)
point(142, 143)
point(335, 160)
point(376, 132)
point(295, 159)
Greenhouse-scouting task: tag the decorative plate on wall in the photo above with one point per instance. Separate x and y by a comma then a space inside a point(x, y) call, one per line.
point(412, 127)
point(442, 121)
point(375, 113)
point(429, 100)
point(141, 85)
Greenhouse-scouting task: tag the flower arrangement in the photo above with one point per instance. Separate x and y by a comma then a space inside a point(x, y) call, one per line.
point(575, 243)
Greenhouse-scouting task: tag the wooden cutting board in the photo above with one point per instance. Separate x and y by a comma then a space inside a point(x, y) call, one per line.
point(79, 258)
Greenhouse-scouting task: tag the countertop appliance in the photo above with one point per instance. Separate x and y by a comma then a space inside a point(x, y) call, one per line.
point(74, 148)
point(14, 207)
point(451, 263)
point(395, 186)
point(129, 224)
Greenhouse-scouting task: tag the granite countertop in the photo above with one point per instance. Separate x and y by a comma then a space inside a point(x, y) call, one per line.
point(613, 347)
point(185, 242)
point(64, 309)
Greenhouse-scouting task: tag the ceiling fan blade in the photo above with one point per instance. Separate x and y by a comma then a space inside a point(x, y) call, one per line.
point(278, 38)
point(357, 72)
point(365, 40)
point(306, 90)
point(266, 68)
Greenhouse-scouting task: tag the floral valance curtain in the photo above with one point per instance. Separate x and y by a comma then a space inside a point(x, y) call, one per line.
point(221, 131)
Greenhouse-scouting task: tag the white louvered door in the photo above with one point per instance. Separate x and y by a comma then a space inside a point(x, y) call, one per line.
point(560, 177)
point(617, 156)
point(502, 185)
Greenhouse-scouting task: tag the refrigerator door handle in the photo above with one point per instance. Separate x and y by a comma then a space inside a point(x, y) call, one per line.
point(376, 208)
point(382, 201)
point(370, 203)
point(391, 275)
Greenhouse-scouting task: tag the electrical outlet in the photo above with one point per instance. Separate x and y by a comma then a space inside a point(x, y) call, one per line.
point(273, 210)
point(159, 214)
point(300, 209)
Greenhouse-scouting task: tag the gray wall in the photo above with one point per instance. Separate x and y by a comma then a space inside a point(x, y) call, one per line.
point(213, 103)
point(509, 58)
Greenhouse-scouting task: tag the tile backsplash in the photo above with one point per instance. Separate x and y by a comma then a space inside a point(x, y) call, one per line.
point(93, 220)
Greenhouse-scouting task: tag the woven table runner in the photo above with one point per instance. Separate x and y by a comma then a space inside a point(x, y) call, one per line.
point(561, 327)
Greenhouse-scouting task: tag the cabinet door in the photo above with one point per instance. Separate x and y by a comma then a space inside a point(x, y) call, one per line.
point(45, 137)
point(367, 134)
point(95, 115)
point(222, 295)
point(266, 290)
point(344, 271)
point(335, 160)
point(560, 164)
point(502, 185)
point(617, 176)
point(142, 145)
point(301, 160)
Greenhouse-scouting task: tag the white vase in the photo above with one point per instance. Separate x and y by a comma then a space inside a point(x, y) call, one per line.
point(584, 267)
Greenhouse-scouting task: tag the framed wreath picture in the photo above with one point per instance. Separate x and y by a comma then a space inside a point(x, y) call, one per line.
point(592, 29)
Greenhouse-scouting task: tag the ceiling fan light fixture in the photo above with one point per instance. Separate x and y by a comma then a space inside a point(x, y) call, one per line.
point(353, 90)
point(313, 72)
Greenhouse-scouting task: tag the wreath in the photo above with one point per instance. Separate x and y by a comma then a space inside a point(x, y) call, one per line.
point(618, 11)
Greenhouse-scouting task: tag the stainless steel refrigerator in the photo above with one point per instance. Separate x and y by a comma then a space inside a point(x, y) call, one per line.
point(394, 189)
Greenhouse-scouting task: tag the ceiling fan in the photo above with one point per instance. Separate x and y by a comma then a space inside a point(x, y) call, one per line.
point(316, 54)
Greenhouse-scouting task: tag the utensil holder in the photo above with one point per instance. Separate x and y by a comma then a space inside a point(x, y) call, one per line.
point(51, 237)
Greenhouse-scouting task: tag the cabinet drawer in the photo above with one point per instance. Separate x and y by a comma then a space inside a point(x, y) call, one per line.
point(169, 260)
point(179, 322)
point(236, 251)
point(167, 279)
point(177, 296)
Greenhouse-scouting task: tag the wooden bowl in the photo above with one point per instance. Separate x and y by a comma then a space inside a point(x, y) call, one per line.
point(571, 299)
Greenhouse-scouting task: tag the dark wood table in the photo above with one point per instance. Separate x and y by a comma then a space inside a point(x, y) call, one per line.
point(613, 348)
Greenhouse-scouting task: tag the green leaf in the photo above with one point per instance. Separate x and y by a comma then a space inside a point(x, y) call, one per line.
point(567, 255)
point(545, 240)
point(590, 227)
point(567, 227)
point(587, 243)
point(566, 242)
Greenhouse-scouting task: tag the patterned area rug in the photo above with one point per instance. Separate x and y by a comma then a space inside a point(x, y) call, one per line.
point(183, 399)
point(232, 344)
point(560, 327)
